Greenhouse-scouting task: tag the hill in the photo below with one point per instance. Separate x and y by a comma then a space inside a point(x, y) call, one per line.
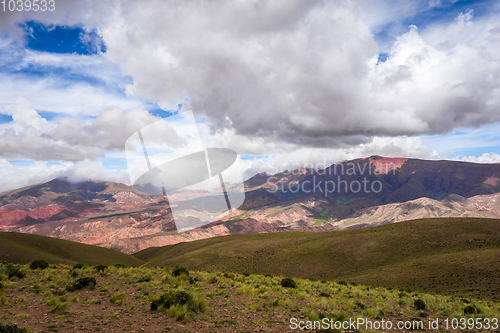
point(23, 248)
point(457, 256)
point(350, 194)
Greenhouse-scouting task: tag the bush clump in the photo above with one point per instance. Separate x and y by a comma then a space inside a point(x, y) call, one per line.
point(120, 266)
point(12, 328)
point(79, 266)
point(180, 270)
point(468, 310)
point(178, 302)
point(38, 263)
point(419, 305)
point(14, 272)
point(82, 283)
point(288, 283)
point(100, 268)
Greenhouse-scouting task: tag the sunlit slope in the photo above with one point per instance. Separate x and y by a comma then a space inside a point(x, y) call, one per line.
point(458, 256)
point(23, 248)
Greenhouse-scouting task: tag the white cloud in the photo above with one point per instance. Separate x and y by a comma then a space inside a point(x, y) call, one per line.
point(69, 138)
point(485, 158)
point(84, 85)
point(306, 76)
point(16, 176)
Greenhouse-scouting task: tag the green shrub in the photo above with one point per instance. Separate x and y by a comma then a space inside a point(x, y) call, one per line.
point(145, 277)
point(100, 268)
point(82, 283)
point(419, 305)
point(359, 305)
point(470, 310)
point(120, 266)
point(178, 302)
point(117, 299)
point(178, 311)
point(288, 283)
point(79, 266)
point(42, 264)
point(12, 328)
point(246, 273)
point(180, 270)
point(14, 272)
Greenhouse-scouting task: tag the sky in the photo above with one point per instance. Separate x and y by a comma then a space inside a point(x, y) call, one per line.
point(284, 83)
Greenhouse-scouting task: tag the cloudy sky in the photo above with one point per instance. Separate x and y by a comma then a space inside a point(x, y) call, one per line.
point(282, 82)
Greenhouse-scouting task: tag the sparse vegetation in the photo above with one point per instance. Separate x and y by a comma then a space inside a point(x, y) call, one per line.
point(269, 301)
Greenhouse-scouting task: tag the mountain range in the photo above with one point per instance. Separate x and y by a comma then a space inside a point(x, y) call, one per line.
point(350, 194)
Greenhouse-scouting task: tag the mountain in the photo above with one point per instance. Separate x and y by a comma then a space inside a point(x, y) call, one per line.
point(351, 194)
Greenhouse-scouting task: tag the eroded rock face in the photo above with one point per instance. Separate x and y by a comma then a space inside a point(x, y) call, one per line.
point(116, 216)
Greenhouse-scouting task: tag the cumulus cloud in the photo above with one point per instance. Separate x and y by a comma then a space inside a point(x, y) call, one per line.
point(69, 138)
point(15, 175)
point(302, 73)
point(83, 85)
point(485, 158)
point(320, 158)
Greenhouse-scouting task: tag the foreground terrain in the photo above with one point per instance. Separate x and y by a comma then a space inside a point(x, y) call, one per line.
point(63, 298)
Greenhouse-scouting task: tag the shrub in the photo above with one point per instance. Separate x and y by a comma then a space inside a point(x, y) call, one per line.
point(288, 283)
point(145, 277)
point(178, 311)
point(12, 328)
point(120, 266)
point(359, 305)
point(176, 301)
point(323, 294)
point(419, 305)
point(100, 268)
point(342, 282)
point(180, 270)
point(42, 264)
point(246, 273)
point(82, 283)
point(14, 272)
point(117, 299)
point(79, 266)
point(56, 305)
point(469, 310)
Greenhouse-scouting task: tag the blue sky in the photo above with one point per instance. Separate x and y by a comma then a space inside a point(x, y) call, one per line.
point(73, 74)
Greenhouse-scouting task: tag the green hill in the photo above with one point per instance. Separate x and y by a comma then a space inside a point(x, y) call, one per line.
point(456, 256)
point(24, 248)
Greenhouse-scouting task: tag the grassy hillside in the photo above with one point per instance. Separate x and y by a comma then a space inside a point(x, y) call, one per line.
point(455, 256)
point(23, 248)
point(139, 299)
